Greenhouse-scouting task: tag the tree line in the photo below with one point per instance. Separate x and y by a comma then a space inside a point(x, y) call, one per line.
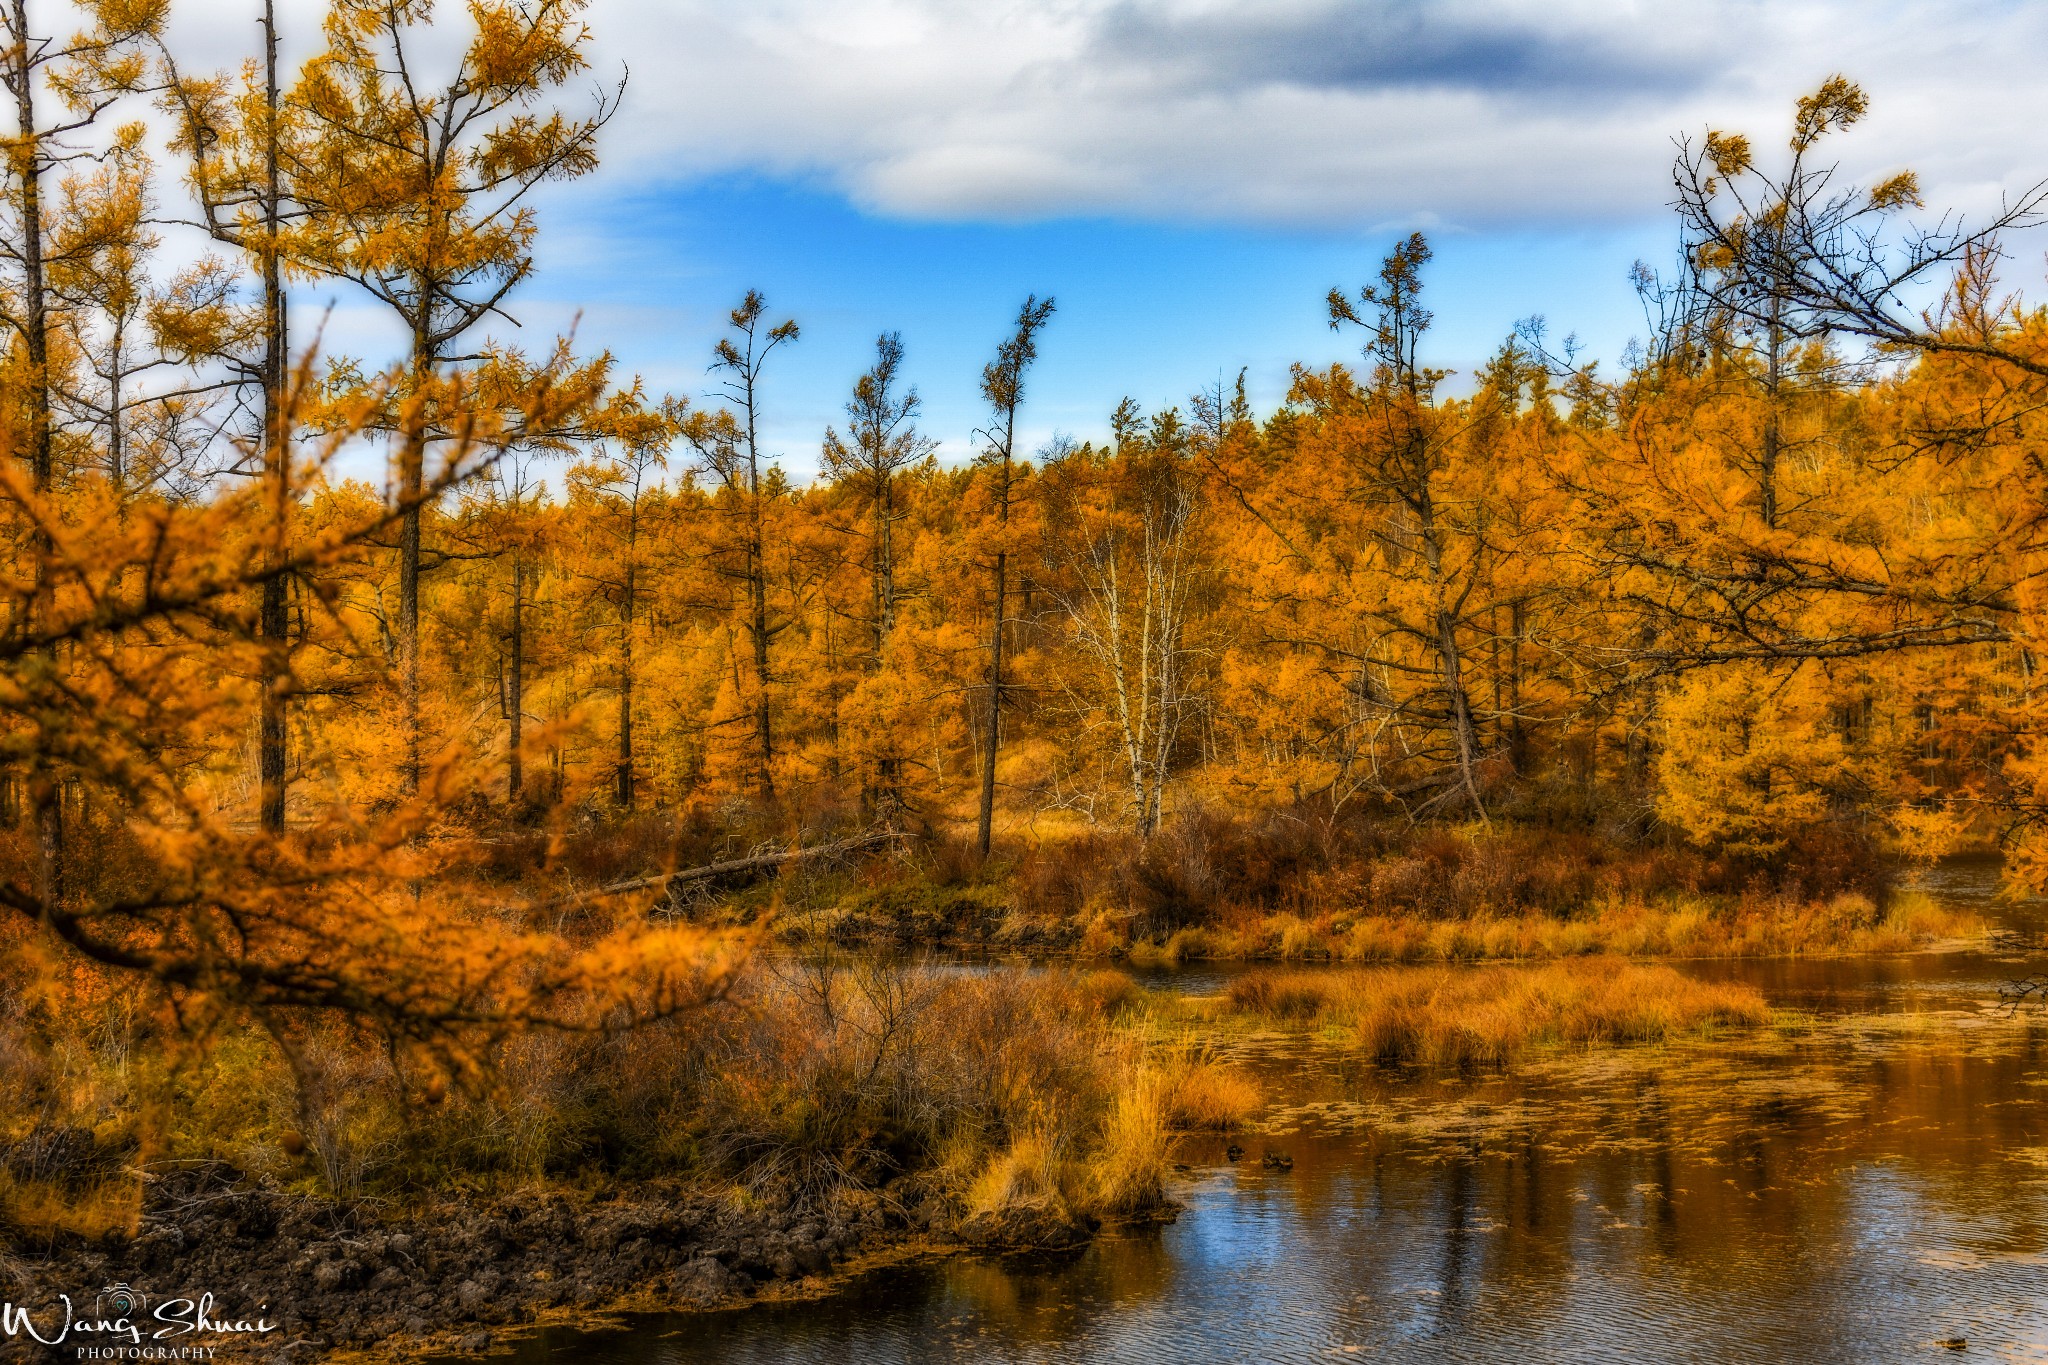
point(1781, 566)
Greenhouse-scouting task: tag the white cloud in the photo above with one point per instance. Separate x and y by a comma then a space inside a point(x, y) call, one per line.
point(1372, 113)
point(1301, 112)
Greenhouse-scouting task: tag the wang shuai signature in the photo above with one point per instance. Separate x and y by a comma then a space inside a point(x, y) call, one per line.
point(121, 1317)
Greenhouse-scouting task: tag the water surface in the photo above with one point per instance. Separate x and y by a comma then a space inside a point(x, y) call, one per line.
point(1871, 1185)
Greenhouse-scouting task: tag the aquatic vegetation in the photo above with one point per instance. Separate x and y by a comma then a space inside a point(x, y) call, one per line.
point(1128, 1173)
point(1489, 1016)
point(1683, 926)
point(1199, 1092)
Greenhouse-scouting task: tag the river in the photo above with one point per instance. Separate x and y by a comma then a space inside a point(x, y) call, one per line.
point(1869, 1183)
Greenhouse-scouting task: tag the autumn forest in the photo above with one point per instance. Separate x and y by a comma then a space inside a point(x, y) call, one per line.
point(584, 800)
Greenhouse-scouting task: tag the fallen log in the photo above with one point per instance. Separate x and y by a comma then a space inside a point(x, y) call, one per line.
point(759, 862)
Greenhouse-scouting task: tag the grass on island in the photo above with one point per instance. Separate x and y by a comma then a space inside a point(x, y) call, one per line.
point(1488, 1016)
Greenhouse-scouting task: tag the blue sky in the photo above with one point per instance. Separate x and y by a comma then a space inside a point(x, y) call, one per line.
point(1187, 177)
point(1148, 310)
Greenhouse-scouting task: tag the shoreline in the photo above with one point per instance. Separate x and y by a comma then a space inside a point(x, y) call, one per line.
point(452, 1275)
point(457, 1274)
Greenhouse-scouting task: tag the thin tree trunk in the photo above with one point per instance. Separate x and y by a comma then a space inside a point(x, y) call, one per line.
point(1767, 473)
point(516, 704)
point(764, 724)
point(46, 789)
point(273, 622)
point(624, 778)
point(412, 493)
point(757, 590)
point(1461, 711)
point(991, 742)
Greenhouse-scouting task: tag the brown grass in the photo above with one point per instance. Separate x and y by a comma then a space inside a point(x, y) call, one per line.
point(1688, 926)
point(1129, 1166)
point(1489, 1016)
point(1199, 1094)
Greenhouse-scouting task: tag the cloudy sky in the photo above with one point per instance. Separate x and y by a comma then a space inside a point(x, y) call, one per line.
point(1188, 177)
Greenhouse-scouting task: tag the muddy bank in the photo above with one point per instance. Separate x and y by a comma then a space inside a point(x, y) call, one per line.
point(444, 1275)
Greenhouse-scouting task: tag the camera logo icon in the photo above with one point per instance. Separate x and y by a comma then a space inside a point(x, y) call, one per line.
point(120, 1301)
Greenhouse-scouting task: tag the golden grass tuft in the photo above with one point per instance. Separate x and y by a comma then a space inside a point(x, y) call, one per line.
point(1201, 1095)
point(1488, 1016)
point(1680, 926)
point(42, 1209)
point(1027, 1175)
point(1108, 992)
point(1128, 1169)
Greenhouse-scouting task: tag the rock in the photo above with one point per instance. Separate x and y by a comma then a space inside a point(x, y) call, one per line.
point(813, 1258)
point(476, 1343)
point(470, 1297)
point(333, 1275)
point(1026, 1228)
point(704, 1282)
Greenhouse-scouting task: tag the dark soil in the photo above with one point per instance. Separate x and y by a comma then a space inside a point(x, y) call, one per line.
point(428, 1277)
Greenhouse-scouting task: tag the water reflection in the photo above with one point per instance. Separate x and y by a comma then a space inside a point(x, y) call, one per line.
point(1858, 1189)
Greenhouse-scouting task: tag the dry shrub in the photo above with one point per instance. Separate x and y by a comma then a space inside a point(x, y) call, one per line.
point(1107, 991)
point(348, 1107)
point(951, 860)
point(820, 1074)
point(1058, 878)
point(1488, 1016)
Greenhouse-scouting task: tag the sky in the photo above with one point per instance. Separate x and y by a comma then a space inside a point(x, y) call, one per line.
point(1188, 178)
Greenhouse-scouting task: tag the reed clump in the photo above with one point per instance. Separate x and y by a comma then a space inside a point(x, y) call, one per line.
point(1199, 1092)
point(1684, 926)
point(1489, 1016)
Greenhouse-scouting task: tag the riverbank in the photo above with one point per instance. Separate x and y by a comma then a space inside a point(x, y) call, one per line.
point(818, 1112)
point(1861, 1176)
point(445, 1274)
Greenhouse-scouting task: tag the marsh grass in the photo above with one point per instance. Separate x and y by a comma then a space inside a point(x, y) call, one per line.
point(1128, 1174)
point(1199, 1092)
point(1489, 1016)
point(1686, 926)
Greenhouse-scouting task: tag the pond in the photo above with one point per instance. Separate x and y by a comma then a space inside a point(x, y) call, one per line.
point(1870, 1183)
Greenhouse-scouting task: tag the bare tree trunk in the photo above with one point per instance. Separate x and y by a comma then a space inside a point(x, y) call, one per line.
point(46, 786)
point(1767, 473)
point(273, 621)
point(1461, 711)
point(516, 703)
point(757, 591)
point(412, 463)
point(624, 779)
point(991, 743)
